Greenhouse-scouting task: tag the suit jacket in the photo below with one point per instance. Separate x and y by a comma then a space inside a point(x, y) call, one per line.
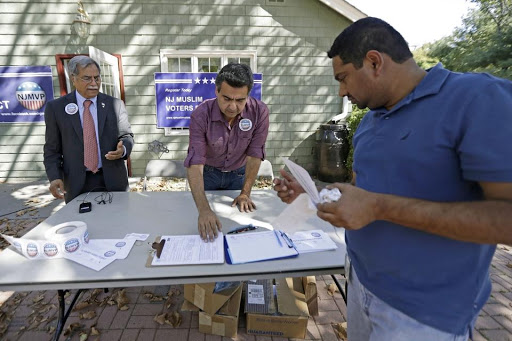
point(64, 143)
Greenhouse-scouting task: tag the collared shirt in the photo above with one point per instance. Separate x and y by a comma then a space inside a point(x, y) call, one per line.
point(451, 132)
point(213, 142)
point(93, 108)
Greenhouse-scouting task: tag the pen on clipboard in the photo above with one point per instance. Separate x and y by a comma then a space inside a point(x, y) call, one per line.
point(278, 240)
point(244, 228)
point(287, 239)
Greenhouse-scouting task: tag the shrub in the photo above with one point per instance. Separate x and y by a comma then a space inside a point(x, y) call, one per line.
point(352, 124)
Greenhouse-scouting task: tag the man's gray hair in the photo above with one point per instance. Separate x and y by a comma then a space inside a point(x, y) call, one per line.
point(83, 62)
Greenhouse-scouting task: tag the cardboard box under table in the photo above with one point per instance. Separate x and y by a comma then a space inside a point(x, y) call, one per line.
point(208, 296)
point(225, 321)
point(283, 314)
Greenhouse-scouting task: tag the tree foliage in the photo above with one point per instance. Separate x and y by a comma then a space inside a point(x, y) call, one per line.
point(352, 124)
point(423, 59)
point(482, 44)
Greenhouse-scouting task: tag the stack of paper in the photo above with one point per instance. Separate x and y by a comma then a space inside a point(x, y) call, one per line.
point(304, 179)
point(190, 249)
point(312, 241)
point(257, 246)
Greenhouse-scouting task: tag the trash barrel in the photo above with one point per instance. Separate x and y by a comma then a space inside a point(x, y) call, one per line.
point(332, 152)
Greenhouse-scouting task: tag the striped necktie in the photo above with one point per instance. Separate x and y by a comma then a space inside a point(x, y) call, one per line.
point(90, 143)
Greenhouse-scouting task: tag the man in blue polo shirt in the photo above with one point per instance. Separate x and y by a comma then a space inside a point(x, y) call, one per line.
point(431, 194)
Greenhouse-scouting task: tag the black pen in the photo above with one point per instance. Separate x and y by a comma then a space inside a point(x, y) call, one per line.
point(244, 228)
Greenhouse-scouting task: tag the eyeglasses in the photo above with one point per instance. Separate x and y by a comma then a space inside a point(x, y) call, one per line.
point(88, 79)
point(104, 198)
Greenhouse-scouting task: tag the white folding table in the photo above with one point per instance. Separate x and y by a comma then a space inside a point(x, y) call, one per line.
point(160, 213)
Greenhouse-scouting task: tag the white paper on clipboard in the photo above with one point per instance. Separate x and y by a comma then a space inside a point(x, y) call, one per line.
point(304, 179)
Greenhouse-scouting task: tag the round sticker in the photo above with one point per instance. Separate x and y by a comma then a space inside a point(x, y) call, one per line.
point(32, 250)
point(72, 245)
point(109, 253)
point(71, 109)
point(245, 124)
point(50, 249)
point(17, 246)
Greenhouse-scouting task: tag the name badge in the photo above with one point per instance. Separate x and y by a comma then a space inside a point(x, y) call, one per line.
point(245, 124)
point(71, 109)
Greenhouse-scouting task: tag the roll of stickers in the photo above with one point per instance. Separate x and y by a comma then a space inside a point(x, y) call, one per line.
point(61, 240)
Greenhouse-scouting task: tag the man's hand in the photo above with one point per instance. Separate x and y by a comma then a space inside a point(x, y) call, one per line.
point(287, 188)
point(57, 188)
point(244, 203)
point(355, 209)
point(208, 224)
point(116, 154)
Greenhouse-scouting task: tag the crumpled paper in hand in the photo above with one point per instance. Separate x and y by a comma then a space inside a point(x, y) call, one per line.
point(329, 195)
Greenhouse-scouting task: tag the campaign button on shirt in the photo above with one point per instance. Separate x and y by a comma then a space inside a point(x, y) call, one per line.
point(71, 109)
point(245, 124)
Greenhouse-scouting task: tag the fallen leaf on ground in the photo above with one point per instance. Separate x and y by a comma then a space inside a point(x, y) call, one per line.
point(174, 319)
point(88, 315)
point(122, 299)
point(331, 289)
point(160, 319)
point(81, 305)
point(152, 297)
point(38, 298)
point(94, 331)
point(83, 336)
point(173, 292)
point(340, 329)
point(169, 303)
point(71, 328)
point(509, 265)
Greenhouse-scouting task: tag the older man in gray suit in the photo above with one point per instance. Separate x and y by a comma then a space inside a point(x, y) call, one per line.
point(88, 136)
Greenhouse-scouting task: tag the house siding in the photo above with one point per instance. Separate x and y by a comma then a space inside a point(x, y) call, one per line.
point(291, 41)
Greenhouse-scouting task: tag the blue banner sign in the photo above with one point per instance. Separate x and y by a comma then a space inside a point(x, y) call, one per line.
point(179, 93)
point(25, 91)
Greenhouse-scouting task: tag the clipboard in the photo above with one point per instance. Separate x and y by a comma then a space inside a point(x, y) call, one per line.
point(187, 250)
point(256, 247)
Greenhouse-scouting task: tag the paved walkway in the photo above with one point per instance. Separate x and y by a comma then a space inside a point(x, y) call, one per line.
point(107, 316)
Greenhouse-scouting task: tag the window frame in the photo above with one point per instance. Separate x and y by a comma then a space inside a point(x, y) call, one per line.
point(64, 81)
point(194, 55)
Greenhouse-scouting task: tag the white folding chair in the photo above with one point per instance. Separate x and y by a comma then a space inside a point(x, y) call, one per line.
point(165, 168)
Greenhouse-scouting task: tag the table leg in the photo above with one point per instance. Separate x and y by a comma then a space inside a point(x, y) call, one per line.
point(63, 314)
point(342, 292)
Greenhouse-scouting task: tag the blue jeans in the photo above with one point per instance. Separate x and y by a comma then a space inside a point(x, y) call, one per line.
point(371, 319)
point(215, 179)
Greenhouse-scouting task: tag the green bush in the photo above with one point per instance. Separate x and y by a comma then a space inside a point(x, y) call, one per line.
point(352, 124)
